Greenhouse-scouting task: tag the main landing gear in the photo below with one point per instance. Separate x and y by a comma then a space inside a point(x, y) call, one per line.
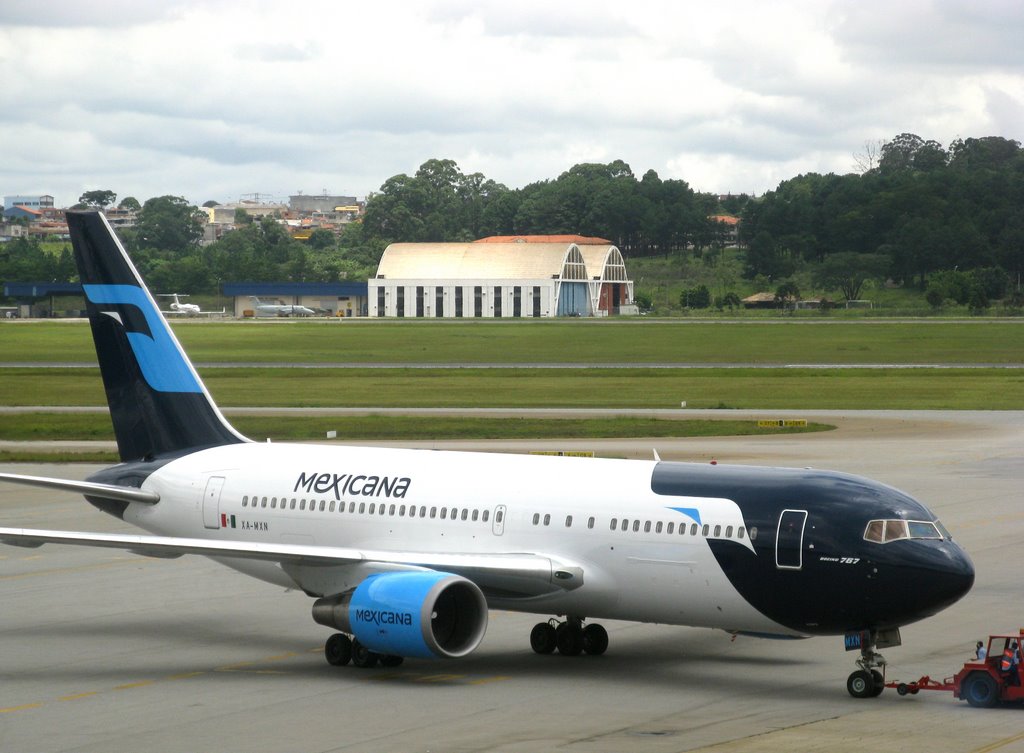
point(867, 681)
point(571, 637)
point(340, 650)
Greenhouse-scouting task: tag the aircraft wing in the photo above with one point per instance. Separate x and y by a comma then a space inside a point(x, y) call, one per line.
point(508, 572)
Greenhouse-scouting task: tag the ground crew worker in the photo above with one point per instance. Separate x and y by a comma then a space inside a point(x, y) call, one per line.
point(1008, 662)
point(979, 651)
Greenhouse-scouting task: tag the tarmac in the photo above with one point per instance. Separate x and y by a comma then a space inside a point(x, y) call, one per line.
point(103, 651)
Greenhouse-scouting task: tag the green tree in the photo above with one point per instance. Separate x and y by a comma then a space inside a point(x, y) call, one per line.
point(167, 223)
point(98, 198)
point(848, 271)
point(130, 203)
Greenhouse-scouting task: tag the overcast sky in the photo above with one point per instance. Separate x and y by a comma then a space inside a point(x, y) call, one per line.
point(215, 99)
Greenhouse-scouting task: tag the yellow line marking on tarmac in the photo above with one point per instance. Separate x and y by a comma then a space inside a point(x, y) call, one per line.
point(133, 685)
point(485, 680)
point(439, 678)
point(999, 744)
point(77, 696)
point(24, 707)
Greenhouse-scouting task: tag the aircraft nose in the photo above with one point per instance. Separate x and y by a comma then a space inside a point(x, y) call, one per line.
point(949, 576)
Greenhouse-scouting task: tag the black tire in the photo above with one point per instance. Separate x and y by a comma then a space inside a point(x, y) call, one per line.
point(569, 638)
point(902, 689)
point(860, 684)
point(390, 660)
point(879, 683)
point(338, 650)
point(595, 639)
point(981, 690)
point(542, 638)
point(363, 657)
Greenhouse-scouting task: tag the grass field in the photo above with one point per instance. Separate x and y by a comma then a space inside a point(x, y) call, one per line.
point(621, 341)
point(850, 388)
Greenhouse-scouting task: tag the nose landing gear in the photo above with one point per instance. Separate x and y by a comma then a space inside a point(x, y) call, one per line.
point(867, 681)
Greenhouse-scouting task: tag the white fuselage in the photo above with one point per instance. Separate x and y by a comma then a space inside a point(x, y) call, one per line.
point(654, 566)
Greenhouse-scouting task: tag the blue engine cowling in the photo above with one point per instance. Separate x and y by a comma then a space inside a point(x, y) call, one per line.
point(424, 614)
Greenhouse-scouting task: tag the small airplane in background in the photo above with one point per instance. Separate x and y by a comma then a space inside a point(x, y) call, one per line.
point(186, 309)
point(281, 309)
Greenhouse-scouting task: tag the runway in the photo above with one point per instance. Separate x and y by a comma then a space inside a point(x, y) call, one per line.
point(103, 651)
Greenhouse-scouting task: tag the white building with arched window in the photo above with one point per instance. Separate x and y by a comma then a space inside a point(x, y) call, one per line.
point(531, 277)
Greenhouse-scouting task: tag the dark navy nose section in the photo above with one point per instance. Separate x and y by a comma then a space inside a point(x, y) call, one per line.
point(945, 575)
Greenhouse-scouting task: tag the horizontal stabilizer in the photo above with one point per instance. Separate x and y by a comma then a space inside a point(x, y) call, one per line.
point(88, 488)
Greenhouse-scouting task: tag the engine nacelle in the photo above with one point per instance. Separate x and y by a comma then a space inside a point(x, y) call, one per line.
point(422, 613)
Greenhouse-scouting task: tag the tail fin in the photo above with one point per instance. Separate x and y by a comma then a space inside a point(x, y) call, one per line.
point(157, 402)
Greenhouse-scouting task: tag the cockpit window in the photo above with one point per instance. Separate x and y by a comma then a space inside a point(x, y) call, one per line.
point(884, 531)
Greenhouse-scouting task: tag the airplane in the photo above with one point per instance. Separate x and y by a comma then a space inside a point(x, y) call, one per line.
point(405, 551)
point(281, 309)
point(188, 309)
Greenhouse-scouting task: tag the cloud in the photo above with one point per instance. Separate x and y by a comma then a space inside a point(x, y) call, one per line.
point(216, 99)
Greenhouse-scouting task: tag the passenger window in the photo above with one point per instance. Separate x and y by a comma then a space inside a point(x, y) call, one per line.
point(392, 510)
point(568, 521)
point(547, 520)
point(647, 527)
point(401, 511)
point(273, 503)
point(739, 532)
point(476, 515)
point(753, 533)
point(373, 507)
point(323, 504)
point(264, 502)
point(245, 501)
point(433, 512)
point(444, 513)
point(362, 507)
point(615, 523)
point(718, 531)
point(465, 513)
point(636, 526)
point(657, 527)
point(625, 525)
point(590, 523)
point(728, 532)
point(704, 531)
point(693, 529)
point(536, 518)
point(486, 515)
point(670, 529)
point(331, 508)
point(302, 504)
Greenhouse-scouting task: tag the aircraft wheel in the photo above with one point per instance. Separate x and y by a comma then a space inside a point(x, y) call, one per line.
point(363, 657)
point(542, 638)
point(338, 650)
point(595, 639)
point(902, 689)
point(569, 638)
point(879, 683)
point(860, 684)
point(390, 660)
point(981, 690)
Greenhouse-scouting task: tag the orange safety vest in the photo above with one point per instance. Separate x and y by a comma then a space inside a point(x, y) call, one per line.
point(1007, 661)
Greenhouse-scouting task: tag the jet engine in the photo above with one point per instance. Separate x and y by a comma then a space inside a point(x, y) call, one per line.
point(424, 614)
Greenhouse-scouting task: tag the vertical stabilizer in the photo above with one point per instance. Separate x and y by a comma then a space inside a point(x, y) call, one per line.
point(157, 402)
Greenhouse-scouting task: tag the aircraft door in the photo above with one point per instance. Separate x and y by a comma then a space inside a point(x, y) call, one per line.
point(498, 524)
point(790, 540)
point(211, 502)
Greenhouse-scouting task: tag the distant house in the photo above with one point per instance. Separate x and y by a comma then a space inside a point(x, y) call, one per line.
point(760, 301)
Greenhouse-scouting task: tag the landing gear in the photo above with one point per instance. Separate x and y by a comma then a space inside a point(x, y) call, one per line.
point(867, 681)
point(570, 637)
point(339, 650)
